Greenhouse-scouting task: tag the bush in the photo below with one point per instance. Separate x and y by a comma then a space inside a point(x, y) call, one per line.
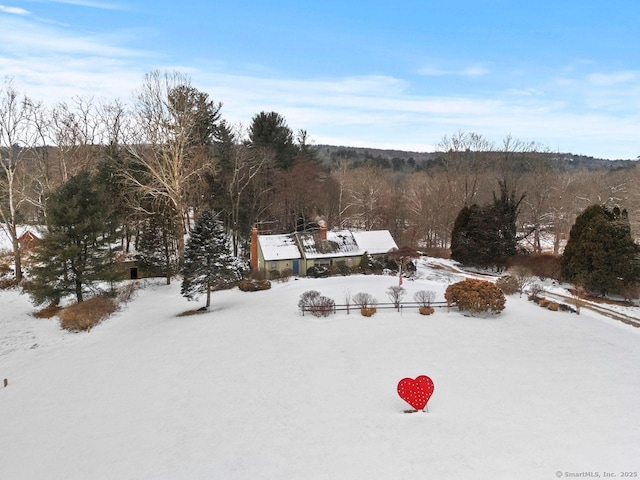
point(49, 311)
point(254, 285)
point(543, 302)
point(543, 265)
point(344, 269)
point(475, 296)
point(553, 306)
point(85, 315)
point(333, 270)
point(535, 290)
point(396, 294)
point(364, 300)
point(317, 271)
point(127, 292)
point(274, 274)
point(318, 305)
point(285, 275)
point(508, 285)
point(424, 297)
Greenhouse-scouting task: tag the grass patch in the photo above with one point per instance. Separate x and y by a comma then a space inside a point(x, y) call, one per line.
point(87, 314)
point(49, 311)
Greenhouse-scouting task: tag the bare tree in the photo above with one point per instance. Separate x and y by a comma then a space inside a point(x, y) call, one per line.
point(367, 187)
point(17, 139)
point(245, 163)
point(464, 161)
point(173, 121)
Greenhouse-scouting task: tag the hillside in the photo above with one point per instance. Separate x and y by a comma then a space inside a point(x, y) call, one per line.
point(253, 389)
point(407, 160)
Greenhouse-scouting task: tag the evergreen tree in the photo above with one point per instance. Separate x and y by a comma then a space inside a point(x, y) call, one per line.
point(486, 236)
point(208, 262)
point(600, 254)
point(157, 243)
point(270, 130)
point(76, 252)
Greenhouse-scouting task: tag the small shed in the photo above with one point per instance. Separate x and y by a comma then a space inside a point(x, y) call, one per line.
point(28, 240)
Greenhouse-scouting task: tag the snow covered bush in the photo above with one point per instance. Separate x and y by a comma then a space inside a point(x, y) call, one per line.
point(475, 296)
point(318, 305)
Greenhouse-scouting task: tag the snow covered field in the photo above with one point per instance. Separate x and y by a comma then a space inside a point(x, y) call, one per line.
point(254, 390)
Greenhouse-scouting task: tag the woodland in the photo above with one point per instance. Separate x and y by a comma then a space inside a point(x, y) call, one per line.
point(159, 160)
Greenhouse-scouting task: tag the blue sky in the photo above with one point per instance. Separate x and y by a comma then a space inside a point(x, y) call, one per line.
point(401, 74)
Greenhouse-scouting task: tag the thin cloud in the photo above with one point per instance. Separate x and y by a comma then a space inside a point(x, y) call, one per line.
point(91, 4)
point(20, 38)
point(473, 71)
point(615, 78)
point(14, 10)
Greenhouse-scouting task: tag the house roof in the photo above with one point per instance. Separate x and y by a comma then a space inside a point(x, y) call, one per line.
point(279, 247)
point(339, 243)
point(375, 241)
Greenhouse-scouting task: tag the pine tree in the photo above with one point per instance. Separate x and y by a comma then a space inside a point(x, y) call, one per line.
point(600, 254)
point(157, 243)
point(76, 252)
point(486, 236)
point(208, 262)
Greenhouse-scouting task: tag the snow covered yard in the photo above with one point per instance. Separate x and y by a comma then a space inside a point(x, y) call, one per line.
point(252, 389)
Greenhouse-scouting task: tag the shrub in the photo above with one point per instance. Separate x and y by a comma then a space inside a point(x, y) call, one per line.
point(127, 292)
point(426, 310)
point(475, 296)
point(543, 302)
point(424, 297)
point(344, 269)
point(390, 264)
point(274, 274)
point(254, 285)
point(508, 285)
point(364, 300)
point(85, 315)
point(318, 305)
point(535, 290)
point(333, 270)
point(553, 306)
point(285, 275)
point(543, 265)
point(631, 292)
point(49, 311)
point(396, 294)
point(317, 271)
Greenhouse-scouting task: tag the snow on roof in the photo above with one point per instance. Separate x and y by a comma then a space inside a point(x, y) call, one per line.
point(338, 244)
point(375, 241)
point(279, 247)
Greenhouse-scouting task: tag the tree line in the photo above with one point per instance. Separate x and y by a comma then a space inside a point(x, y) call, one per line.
point(169, 154)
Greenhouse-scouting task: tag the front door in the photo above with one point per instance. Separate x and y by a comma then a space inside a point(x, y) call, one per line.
point(296, 267)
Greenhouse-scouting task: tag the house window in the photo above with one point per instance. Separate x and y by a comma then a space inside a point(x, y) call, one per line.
point(274, 265)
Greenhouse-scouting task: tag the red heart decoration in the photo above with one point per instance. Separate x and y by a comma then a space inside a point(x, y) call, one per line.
point(416, 392)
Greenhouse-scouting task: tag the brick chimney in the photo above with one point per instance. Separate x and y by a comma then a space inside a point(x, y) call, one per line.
point(253, 252)
point(323, 229)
